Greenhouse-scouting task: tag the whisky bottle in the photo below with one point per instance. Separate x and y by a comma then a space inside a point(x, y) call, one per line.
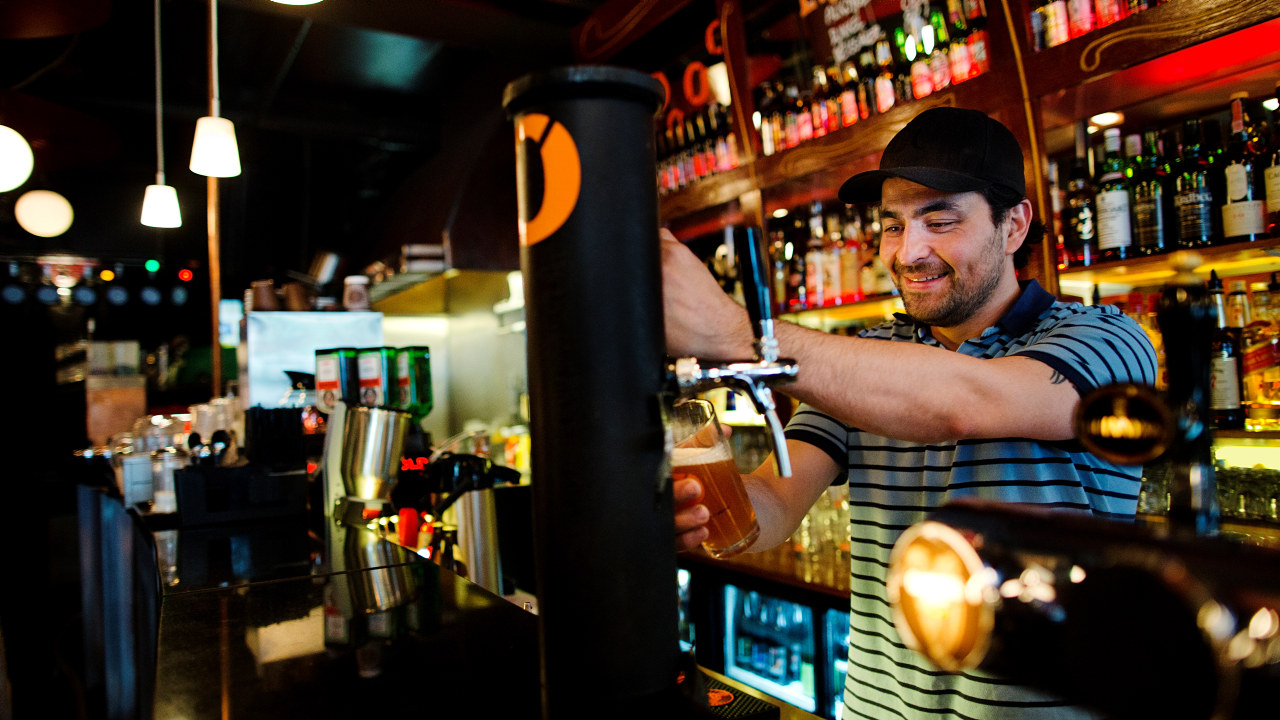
point(1114, 234)
point(1244, 210)
point(1225, 391)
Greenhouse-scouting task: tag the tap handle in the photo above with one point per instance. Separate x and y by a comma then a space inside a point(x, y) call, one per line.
point(753, 270)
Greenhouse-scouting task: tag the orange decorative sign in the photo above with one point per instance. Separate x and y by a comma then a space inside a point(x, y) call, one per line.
point(561, 176)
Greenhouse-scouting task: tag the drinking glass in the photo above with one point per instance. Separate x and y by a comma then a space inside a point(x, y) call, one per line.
point(701, 451)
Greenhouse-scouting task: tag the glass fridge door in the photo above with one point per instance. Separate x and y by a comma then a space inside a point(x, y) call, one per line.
point(769, 645)
point(687, 637)
point(837, 632)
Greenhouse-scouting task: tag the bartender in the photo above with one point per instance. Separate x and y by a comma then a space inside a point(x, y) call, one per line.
point(968, 393)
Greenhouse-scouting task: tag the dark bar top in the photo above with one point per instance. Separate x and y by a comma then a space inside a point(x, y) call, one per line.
point(272, 620)
point(268, 627)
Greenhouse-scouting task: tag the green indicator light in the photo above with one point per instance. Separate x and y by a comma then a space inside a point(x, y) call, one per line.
point(152, 265)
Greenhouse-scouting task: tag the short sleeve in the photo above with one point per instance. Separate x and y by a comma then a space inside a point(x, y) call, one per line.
point(1094, 346)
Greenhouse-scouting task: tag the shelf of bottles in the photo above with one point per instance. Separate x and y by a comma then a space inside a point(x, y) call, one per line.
point(1054, 22)
point(872, 66)
point(827, 271)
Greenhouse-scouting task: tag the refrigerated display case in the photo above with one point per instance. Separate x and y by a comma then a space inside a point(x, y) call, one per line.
point(836, 629)
point(769, 645)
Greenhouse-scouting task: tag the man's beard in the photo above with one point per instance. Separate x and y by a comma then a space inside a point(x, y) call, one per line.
point(962, 301)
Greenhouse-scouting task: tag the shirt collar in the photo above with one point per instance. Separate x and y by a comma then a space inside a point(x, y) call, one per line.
point(1020, 319)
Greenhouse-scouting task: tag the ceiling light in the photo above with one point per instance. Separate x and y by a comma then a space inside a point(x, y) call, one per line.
point(160, 203)
point(43, 212)
point(296, 2)
point(16, 160)
point(214, 152)
point(1106, 119)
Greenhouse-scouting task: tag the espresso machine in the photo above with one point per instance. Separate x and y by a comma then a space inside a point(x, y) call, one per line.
point(600, 389)
point(1171, 620)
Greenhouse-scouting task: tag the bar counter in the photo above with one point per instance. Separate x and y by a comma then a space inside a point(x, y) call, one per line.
point(256, 623)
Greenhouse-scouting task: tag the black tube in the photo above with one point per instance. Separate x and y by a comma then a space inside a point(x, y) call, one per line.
point(603, 527)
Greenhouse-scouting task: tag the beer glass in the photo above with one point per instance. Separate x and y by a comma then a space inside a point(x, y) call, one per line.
point(701, 451)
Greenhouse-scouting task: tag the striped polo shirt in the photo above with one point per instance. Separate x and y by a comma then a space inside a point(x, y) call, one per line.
point(894, 484)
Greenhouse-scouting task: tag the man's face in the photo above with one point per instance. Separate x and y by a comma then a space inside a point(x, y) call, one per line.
point(942, 251)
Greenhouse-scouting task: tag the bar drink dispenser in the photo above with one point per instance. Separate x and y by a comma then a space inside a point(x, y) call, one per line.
point(600, 384)
point(1175, 621)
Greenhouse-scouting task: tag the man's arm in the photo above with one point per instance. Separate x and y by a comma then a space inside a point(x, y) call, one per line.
point(903, 390)
point(780, 503)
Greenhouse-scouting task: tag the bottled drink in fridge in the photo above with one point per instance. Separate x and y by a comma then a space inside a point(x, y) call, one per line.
point(413, 377)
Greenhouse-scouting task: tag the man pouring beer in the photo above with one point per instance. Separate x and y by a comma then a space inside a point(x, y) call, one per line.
point(969, 393)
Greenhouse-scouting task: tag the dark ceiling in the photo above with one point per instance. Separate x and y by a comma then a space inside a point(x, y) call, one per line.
point(347, 112)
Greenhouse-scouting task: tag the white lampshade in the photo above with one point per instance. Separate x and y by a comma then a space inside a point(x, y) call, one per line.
point(214, 152)
point(16, 160)
point(43, 212)
point(160, 207)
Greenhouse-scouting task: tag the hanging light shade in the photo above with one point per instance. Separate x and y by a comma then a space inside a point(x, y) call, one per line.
point(297, 2)
point(16, 160)
point(215, 152)
point(44, 213)
point(160, 207)
point(160, 203)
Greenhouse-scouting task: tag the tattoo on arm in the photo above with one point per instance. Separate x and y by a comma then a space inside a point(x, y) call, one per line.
point(1057, 378)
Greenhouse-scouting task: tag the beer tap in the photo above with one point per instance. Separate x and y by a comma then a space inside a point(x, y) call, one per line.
point(756, 377)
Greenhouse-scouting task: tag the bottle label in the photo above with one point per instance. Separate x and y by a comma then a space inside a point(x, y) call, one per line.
point(1272, 175)
point(1244, 218)
point(1224, 384)
point(1149, 222)
point(369, 370)
point(1113, 219)
point(1194, 221)
point(328, 387)
point(1237, 182)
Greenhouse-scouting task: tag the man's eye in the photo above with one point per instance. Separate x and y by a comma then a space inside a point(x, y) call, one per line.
point(891, 229)
point(941, 224)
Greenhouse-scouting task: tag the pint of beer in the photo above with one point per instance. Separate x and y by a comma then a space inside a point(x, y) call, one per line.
point(702, 452)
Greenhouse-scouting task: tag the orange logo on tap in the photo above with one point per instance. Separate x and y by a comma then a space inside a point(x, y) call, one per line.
point(561, 176)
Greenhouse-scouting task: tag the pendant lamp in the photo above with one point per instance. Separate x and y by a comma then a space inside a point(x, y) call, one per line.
point(214, 152)
point(16, 160)
point(160, 203)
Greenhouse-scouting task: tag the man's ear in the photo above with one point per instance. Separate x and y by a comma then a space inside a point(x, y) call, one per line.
point(1016, 223)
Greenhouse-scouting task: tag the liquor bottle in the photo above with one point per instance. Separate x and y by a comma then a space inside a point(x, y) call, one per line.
point(819, 111)
point(911, 49)
point(886, 87)
point(793, 111)
point(1146, 187)
point(1081, 17)
point(1244, 212)
point(977, 38)
point(376, 367)
point(1110, 11)
point(413, 378)
point(849, 111)
point(797, 293)
point(1192, 197)
point(962, 67)
point(1112, 198)
point(1080, 216)
point(1272, 175)
point(803, 112)
point(835, 98)
point(767, 105)
point(1224, 401)
point(939, 59)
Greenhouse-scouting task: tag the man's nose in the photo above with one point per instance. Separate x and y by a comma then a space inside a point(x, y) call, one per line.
point(913, 245)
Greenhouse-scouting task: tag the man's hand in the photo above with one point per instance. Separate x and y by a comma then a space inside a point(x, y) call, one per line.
point(691, 515)
point(701, 319)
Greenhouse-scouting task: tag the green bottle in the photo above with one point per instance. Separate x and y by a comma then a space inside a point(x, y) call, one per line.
point(413, 378)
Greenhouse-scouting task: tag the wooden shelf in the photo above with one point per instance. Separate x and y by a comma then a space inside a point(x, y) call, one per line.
point(1262, 256)
point(872, 308)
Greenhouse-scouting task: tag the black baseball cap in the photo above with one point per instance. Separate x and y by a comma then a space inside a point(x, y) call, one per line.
point(949, 149)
